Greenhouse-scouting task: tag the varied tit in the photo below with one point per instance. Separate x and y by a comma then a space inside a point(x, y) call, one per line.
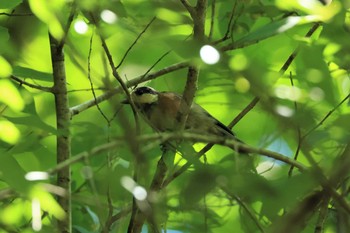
point(161, 108)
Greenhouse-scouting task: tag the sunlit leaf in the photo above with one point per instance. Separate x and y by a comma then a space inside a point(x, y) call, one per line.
point(9, 132)
point(6, 68)
point(34, 121)
point(47, 201)
point(13, 214)
point(10, 95)
point(48, 12)
point(312, 7)
point(274, 28)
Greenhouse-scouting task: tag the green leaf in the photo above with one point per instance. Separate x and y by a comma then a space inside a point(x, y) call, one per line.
point(33, 121)
point(7, 4)
point(25, 72)
point(4, 37)
point(202, 181)
point(48, 12)
point(12, 173)
point(94, 217)
point(274, 28)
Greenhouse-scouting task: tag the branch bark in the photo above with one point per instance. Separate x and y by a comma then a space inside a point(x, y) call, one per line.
point(63, 149)
point(198, 14)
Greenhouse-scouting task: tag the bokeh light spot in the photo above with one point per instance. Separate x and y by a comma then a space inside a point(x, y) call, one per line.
point(109, 16)
point(80, 26)
point(239, 62)
point(36, 215)
point(140, 193)
point(209, 55)
point(36, 175)
point(242, 85)
point(316, 94)
point(284, 111)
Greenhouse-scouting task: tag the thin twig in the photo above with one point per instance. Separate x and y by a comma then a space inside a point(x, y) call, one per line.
point(244, 207)
point(116, 75)
point(79, 157)
point(322, 215)
point(212, 19)
point(229, 25)
point(290, 172)
point(91, 83)
point(152, 66)
point(244, 112)
point(325, 117)
point(22, 82)
point(68, 24)
point(13, 14)
point(134, 43)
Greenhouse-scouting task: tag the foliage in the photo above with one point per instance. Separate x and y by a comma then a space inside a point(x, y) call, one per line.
point(282, 78)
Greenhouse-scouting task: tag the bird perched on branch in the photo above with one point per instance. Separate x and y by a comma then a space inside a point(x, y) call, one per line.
point(161, 111)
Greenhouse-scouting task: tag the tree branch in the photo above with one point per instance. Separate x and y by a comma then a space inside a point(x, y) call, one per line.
point(63, 138)
point(142, 78)
point(187, 5)
point(198, 17)
point(22, 82)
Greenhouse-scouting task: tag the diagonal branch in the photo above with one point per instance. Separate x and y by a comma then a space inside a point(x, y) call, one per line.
point(134, 43)
point(143, 78)
point(188, 6)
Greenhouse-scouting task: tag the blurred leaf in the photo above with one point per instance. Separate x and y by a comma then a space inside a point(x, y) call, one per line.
point(26, 72)
point(13, 214)
point(4, 36)
point(287, 192)
point(188, 152)
point(9, 132)
point(81, 229)
point(12, 173)
point(6, 68)
point(311, 7)
point(274, 28)
point(10, 95)
point(94, 217)
point(7, 4)
point(201, 181)
point(33, 121)
point(48, 12)
point(47, 202)
point(312, 68)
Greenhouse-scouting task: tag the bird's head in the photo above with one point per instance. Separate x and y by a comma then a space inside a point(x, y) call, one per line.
point(144, 95)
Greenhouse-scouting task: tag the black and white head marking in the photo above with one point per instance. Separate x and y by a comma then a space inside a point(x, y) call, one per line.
point(144, 95)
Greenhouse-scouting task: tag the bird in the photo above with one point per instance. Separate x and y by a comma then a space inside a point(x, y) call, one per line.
point(161, 110)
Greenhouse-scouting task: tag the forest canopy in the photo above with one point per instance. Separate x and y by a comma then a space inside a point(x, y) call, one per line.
point(74, 158)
